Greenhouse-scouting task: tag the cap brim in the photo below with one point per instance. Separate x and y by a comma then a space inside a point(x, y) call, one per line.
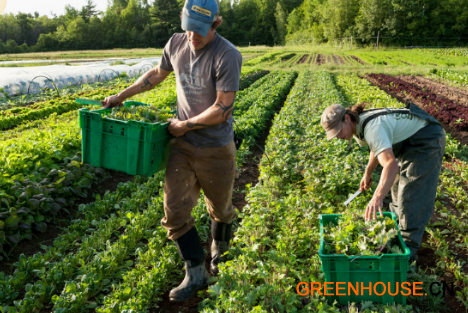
point(332, 133)
point(194, 25)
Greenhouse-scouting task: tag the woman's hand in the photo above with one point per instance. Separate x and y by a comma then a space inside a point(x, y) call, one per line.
point(366, 182)
point(374, 205)
point(387, 178)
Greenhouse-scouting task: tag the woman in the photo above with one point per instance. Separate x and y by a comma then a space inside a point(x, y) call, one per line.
point(409, 144)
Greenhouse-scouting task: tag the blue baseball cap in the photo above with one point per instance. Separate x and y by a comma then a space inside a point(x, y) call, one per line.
point(199, 15)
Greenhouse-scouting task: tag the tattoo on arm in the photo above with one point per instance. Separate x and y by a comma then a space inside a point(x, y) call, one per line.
point(227, 110)
point(147, 82)
point(192, 125)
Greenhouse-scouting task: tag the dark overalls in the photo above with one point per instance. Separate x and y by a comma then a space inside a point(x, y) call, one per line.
point(413, 193)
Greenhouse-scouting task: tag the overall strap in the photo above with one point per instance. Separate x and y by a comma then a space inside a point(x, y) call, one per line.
point(385, 112)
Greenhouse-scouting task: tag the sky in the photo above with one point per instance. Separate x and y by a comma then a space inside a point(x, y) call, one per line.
point(45, 7)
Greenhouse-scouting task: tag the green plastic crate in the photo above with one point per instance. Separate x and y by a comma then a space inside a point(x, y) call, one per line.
point(386, 268)
point(133, 147)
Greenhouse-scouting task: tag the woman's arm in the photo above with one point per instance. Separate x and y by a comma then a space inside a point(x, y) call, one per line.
point(387, 178)
point(367, 179)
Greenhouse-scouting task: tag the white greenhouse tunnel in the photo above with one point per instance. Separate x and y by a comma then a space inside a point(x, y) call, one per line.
point(17, 80)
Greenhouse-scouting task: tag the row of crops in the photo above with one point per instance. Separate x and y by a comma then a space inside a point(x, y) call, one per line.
point(42, 174)
point(358, 58)
point(115, 257)
point(276, 246)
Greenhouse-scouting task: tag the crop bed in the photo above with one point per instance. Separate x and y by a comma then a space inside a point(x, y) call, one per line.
point(448, 112)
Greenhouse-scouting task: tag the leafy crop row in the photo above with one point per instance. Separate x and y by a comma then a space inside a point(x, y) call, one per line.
point(276, 245)
point(17, 115)
point(77, 280)
point(260, 60)
point(34, 177)
point(450, 75)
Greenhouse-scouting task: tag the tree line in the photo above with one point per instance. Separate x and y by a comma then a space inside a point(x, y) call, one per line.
point(139, 23)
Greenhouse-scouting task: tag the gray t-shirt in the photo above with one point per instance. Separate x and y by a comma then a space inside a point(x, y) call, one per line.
point(199, 75)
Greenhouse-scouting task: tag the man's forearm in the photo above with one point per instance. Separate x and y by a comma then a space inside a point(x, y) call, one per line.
point(216, 114)
point(146, 82)
point(219, 112)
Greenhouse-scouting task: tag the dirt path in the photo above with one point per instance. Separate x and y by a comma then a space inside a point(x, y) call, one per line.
point(449, 92)
point(312, 59)
point(355, 58)
point(321, 59)
point(303, 59)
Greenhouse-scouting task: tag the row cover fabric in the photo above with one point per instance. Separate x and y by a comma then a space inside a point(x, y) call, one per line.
point(16, 81)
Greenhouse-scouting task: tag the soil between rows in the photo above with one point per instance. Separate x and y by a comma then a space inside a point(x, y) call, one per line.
point(449, 92)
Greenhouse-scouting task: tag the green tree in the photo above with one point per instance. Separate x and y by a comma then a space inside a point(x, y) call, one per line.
point(372, 18)
point(89, 10)
point(11, 46)
point(339, 18)
point(165, 21)
point(281, 31)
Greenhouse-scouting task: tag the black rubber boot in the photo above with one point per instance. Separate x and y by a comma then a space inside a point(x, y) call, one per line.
point(196, 277)
point(221, 234)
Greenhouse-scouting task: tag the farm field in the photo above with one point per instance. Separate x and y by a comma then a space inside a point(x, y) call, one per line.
point(76, 238)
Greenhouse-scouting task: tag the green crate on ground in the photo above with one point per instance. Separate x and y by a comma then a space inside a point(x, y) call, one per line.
point(133, 147)
point(386, 268)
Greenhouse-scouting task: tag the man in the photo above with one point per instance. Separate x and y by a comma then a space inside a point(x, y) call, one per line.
point(409, 144)
point(207, 69)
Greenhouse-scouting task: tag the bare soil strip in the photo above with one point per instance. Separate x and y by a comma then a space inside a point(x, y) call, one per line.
point(303, 59)
point(355, 58)
point(449, 92)
point(321, 59)
point(338, 59)
point(429, 101)
point(405, 62)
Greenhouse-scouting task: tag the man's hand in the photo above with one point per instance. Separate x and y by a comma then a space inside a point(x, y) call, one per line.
point(112, 101)
point(177, 127)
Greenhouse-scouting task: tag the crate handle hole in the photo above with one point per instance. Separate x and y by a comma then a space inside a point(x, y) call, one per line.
point(123, 131)
point(111, 130)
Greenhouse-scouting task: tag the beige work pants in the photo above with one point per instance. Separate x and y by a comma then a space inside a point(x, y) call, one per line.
point(189, 169)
